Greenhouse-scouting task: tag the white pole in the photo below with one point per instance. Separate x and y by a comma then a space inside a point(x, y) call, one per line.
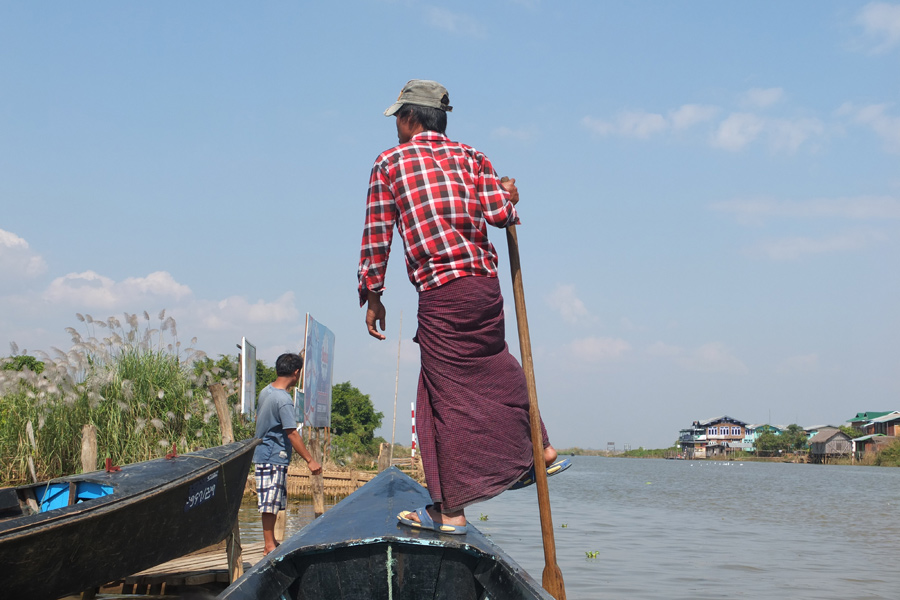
point(396, 386)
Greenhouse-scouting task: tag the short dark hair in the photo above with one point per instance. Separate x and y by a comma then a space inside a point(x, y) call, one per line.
point(287, 364)
point(431, 119)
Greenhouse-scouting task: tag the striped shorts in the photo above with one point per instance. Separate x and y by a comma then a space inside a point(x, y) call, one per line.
point(271, 487)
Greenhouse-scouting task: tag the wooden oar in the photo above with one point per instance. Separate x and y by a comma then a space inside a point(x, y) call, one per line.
point(552, 579)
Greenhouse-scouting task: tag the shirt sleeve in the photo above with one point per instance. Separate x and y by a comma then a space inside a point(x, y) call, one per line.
point(381, 214)
point(286, 416)
point(495, 204)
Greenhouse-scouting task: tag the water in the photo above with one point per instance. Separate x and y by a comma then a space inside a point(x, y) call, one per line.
point(700, 529)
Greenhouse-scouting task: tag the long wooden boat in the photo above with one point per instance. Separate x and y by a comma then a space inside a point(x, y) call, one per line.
point(98, 527)
point(359, 551)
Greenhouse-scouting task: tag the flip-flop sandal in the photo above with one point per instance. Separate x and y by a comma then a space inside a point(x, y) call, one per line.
point(426, 522)
point(528, 478)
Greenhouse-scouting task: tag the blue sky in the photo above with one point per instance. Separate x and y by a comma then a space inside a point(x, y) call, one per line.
point(710, 191)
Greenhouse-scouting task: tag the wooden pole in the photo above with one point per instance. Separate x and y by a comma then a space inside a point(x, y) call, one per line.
point(234, 550)
point(552, 577)
point(318, 481)
point(396, 388)
point(88, 448)
point(223, 411)
point(29, 433)
point(384, 457)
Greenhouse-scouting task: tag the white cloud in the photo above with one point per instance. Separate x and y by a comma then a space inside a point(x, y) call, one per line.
point(597, 349)
point(798, 247)
point(89, 290)
point(641, 124)
point(637, 124)
point(518, 135)
point(692, 114)
point(881, 24)
point(712, 357)
point(788, 135)
point(784, 135)
point(17, 260)
point(738, 130)
point(456, 23)
point(885, 126)
point(566, 302)
point(236, 312)
point(858, 208)
point(806, 363)
point(761, 98)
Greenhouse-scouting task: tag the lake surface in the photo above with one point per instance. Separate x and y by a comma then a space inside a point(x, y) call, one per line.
point(667, 529)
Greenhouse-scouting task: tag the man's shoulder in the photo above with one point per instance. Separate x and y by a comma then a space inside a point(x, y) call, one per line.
point(424, 143)
point(275, 393)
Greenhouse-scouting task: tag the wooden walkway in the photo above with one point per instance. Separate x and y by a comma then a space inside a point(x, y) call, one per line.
point(205, 569)
point(208, 566)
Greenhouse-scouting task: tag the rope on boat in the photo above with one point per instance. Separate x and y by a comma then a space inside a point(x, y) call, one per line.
point(390, 575)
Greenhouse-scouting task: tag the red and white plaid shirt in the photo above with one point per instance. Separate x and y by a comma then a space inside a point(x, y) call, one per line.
point(440, 195)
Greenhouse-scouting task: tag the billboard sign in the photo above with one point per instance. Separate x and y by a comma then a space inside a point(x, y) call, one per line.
point(317, 372)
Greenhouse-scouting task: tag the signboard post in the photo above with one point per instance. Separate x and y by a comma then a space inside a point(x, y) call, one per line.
point(248, 377)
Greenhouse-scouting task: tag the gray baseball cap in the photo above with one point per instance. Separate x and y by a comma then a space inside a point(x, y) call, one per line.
point(423, 93)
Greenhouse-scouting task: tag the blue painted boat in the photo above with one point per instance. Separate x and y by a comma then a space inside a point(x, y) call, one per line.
point(359, 551)
point(98, 527)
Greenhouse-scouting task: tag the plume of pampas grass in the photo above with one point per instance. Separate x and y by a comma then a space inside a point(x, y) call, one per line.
point(130, 382)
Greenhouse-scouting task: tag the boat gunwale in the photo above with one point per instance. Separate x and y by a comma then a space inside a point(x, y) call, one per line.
point(117, 499)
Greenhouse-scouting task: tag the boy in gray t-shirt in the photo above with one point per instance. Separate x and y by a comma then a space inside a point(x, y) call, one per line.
point(277, 428)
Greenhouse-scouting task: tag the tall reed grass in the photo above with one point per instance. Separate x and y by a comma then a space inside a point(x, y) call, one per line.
point(134, 382)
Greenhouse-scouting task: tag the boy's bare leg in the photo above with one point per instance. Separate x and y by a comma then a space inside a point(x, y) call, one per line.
point(268, 523)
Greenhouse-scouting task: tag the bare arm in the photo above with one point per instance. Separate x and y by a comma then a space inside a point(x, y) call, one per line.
point(300, 447)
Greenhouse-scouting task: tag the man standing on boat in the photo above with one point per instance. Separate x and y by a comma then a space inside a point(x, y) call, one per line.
point(472, 402)
point(277, 428)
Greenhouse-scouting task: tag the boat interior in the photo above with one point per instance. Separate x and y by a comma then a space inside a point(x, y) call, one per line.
point(44, 497)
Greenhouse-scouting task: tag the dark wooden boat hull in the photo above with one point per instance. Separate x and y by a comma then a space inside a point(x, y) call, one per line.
point(358, 550)
point(159, 510)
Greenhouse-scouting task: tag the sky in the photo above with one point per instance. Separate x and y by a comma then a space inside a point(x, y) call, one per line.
point(710, 191)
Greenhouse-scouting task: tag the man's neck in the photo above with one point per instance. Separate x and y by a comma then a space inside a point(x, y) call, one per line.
point(283, 383)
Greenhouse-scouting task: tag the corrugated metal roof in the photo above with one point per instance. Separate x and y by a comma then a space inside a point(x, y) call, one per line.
point(867, 416)
point(722, 418)
point(888, 417)
point(825, 434)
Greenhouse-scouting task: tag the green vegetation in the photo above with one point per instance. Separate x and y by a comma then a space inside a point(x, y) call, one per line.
point(143, 392)
point(890, 456)
point(581, 451)
point(133, 382)
point(651, 453)
point(353, 422)
point(851, 432)
point(792, 439)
